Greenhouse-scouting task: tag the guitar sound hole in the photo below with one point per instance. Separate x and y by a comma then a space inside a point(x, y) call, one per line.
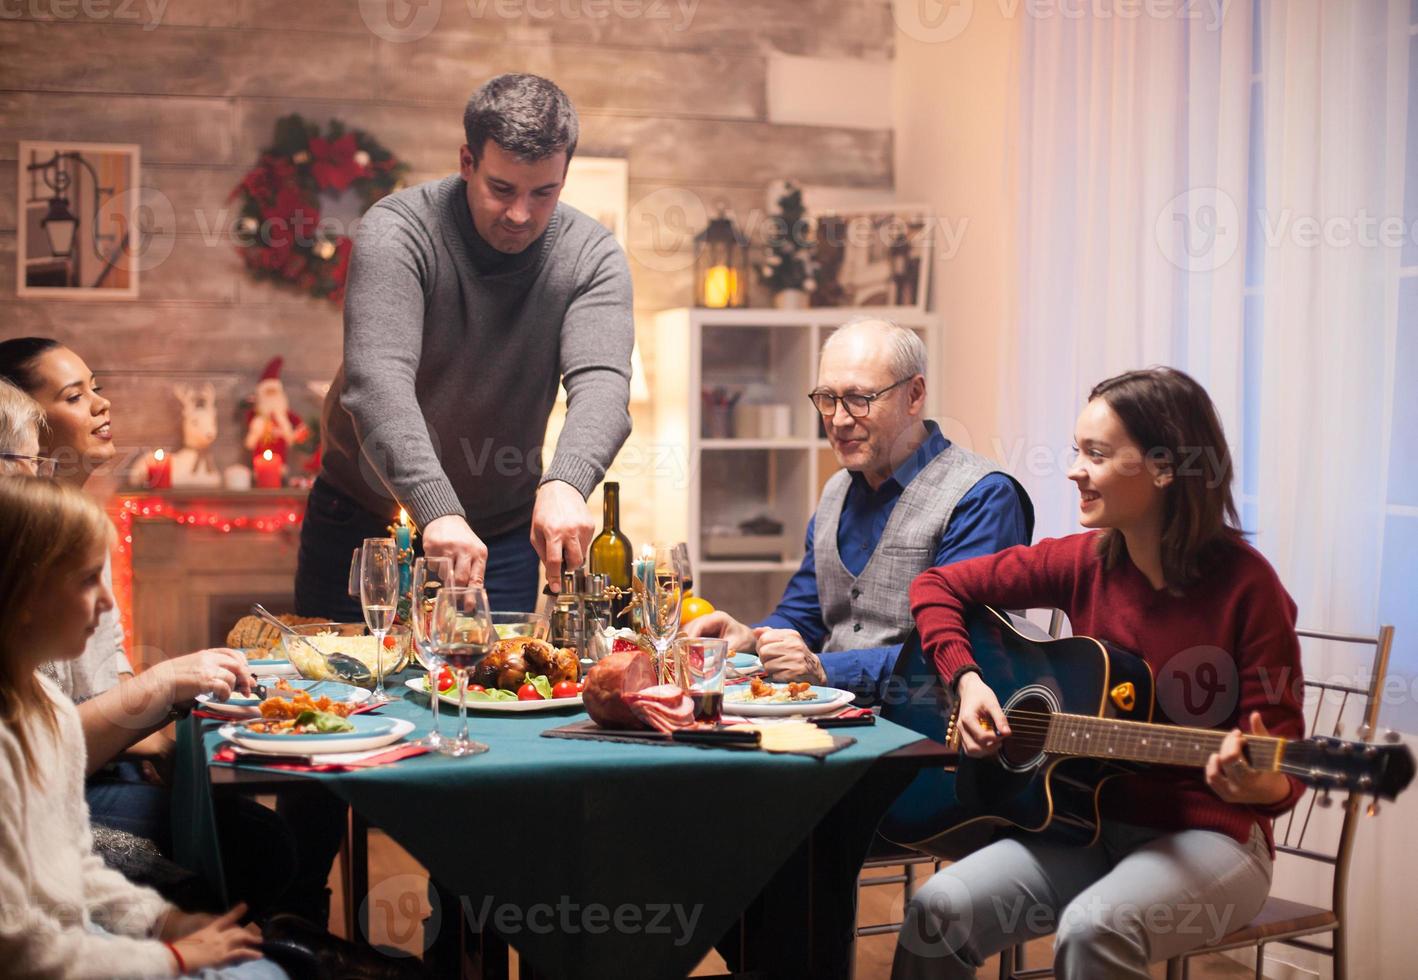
point(1028, 723)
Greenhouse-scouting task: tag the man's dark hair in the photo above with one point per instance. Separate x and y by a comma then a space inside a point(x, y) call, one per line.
point(526, 115)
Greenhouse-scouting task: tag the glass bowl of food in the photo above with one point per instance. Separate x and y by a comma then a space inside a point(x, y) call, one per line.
point(346, 652)
point(510, 624)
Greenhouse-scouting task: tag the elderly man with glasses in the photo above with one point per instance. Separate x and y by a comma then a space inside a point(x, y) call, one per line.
point(906, 500)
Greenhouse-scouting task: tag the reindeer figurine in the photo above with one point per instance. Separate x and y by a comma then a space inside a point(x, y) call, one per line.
point(192, 465)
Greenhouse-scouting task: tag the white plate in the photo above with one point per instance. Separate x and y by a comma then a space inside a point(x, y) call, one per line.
point(237, 707)
point(263, 666)
point(450, 697)
point(322, 745)
point(828, 700)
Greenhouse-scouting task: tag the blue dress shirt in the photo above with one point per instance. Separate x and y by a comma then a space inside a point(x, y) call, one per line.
point(989, 518)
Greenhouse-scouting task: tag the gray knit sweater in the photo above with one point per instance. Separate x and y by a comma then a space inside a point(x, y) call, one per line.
point(452, 356)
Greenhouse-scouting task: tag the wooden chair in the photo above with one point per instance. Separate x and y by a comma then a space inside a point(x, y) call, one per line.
point(1282, 921)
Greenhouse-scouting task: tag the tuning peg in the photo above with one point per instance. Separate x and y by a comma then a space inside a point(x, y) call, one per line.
point(1338, 730)
point(1366, 782)
point(1391, 736)
point(1373, 808)
point(1323, 801)
point(1365, 731)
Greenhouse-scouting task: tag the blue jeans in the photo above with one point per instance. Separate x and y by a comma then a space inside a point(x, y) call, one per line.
point(1138, 896)
point(335, 526)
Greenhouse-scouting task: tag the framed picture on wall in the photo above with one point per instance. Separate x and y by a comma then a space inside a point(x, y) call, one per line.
point(77, 220)
point(873, 257)
point(600, 187)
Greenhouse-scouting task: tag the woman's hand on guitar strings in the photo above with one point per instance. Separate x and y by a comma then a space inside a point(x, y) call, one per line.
point(983, 726)
point(1233, 779)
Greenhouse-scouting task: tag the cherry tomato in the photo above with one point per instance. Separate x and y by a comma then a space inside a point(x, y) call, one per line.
point(529, 693)
point(565, 689)
point(389, 642)
point(446, 679)
point(475, 687)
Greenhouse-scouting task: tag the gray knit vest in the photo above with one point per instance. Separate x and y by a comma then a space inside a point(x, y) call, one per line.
point(872, 609)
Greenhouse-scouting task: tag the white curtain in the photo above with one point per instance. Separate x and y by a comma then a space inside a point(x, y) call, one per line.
point(1151, 222)
point(1133, 148)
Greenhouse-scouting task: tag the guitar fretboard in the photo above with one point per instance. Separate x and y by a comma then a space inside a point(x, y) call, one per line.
point(1135, 741)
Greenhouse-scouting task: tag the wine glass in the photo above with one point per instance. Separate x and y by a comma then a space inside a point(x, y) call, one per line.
point(463, 634)
point(430, 575)
point(379, 596)
point(662, 588)
point(686, 573)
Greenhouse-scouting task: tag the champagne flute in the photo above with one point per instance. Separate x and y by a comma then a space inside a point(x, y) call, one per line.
point(659, 604)
point(430, 575)
point(379, 595)
point(463, 634)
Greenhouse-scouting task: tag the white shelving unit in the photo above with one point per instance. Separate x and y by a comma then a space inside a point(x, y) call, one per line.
point(718, 468)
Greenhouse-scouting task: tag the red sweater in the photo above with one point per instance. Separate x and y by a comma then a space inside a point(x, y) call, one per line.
point(1238, 611)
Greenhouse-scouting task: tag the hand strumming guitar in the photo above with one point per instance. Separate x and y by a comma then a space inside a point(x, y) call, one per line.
point(982, 723)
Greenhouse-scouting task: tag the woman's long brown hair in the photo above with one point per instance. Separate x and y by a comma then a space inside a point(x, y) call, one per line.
point(1172, 419)
point(44, 528)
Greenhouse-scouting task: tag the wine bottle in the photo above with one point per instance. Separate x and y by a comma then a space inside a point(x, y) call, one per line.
point(610, 554)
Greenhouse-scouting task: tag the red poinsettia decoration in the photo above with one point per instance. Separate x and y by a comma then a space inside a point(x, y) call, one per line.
point(336, 162)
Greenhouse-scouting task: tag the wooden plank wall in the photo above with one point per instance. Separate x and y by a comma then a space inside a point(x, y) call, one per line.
point(678, 87)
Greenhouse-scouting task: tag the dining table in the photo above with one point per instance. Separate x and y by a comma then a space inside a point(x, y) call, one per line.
point(597, 858)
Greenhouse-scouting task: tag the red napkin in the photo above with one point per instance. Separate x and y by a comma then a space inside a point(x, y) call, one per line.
point(224, 753)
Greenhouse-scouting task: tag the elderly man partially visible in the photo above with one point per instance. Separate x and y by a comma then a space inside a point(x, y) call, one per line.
point(906, 500)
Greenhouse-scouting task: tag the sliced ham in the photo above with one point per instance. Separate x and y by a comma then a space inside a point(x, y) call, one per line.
point(609, 681)
point(664, 707)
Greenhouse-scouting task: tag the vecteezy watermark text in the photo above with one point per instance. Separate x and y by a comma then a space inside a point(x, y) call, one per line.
point(569, 918)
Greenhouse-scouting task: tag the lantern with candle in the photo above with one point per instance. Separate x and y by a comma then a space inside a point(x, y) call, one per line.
point(721, 265)
point(269, 470)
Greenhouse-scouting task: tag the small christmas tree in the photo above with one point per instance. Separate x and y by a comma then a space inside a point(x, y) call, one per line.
point(789, 263)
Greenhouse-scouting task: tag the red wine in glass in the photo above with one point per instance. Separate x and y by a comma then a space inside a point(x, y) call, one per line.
point(708, 705)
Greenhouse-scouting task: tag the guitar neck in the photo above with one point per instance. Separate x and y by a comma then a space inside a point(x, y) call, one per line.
point(1136, 741)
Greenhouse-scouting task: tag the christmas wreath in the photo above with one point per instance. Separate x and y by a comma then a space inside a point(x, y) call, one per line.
point(279, 231)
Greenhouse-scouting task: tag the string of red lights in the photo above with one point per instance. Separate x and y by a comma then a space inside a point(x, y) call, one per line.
point(131, 509)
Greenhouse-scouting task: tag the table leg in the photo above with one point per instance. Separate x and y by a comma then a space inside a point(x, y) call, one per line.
point(356, 881)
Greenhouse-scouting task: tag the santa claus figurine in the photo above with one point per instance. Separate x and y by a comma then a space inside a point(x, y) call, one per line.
point(271, 425)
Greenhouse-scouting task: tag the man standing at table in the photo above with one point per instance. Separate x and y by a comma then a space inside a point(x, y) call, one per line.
point(906, 500)
point(468, 299)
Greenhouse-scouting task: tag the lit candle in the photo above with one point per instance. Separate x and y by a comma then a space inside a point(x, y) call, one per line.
point(720, 285)
point(402, 532)
point(269, 470)
point(159, 471)
point(403, 535)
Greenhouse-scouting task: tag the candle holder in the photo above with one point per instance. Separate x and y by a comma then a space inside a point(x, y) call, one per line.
point(403, 533)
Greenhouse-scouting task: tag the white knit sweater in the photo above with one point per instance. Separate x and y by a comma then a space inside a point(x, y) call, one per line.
point(53, 887)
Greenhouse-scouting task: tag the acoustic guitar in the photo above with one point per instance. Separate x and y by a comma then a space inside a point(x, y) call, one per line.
point(1080, 712)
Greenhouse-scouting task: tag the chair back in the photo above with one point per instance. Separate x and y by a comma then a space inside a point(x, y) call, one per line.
point(1339, 708)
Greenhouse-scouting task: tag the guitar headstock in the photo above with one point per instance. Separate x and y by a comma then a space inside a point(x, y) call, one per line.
point(1382, 771)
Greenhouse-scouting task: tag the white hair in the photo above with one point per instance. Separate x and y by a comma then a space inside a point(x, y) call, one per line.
point(905, 349)
point(20, 417)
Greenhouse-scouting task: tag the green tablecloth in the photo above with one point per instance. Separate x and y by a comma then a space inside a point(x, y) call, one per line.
point(591, 858)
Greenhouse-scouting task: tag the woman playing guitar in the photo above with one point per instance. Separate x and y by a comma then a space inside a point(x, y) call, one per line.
point(1183, 857)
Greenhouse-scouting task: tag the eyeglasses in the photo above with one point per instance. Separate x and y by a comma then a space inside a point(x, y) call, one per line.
point(858, 406)
point(43, 465)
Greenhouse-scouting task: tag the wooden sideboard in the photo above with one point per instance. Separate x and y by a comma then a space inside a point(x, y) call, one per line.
point(198, 559)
